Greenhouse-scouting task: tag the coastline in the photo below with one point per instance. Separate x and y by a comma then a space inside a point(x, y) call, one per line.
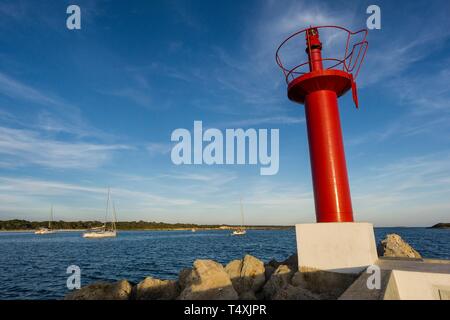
point(198, 229)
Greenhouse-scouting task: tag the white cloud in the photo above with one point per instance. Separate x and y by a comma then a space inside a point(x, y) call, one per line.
point(31, 197)
point(155, 148)
point(17, 90)
point(409, 187)
point(26, 147)
point(282, 120)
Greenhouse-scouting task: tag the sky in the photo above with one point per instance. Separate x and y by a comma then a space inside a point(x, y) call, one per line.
point(84, 110)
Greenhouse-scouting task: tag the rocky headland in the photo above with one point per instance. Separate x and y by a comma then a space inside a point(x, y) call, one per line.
point(441, 226)
point(246, 279)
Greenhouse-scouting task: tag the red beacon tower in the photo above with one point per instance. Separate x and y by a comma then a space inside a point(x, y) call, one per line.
point(318, 89)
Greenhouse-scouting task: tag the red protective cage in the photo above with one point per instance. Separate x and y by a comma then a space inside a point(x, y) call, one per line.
point(348, 61)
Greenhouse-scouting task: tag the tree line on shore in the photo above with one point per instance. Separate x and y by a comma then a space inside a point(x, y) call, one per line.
point(73, 225)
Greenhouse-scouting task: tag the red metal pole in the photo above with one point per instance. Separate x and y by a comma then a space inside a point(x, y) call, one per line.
point(329, 171)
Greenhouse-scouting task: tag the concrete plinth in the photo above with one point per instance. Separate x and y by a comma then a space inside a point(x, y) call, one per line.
point(404, 279)
point(346, 248)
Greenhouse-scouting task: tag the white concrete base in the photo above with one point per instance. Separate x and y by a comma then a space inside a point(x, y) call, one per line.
point(404, 279)
point(336, 247)
point(408, 285)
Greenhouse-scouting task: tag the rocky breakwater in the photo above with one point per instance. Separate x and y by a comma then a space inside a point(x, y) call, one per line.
point(245, 279)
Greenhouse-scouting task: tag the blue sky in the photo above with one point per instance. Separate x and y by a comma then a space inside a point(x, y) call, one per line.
point(83, 110)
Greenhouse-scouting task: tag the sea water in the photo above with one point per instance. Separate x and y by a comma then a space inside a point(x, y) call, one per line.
point(34, 266)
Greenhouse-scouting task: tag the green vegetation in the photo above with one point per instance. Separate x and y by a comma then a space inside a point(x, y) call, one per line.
point(122, 225)
point(441, 226)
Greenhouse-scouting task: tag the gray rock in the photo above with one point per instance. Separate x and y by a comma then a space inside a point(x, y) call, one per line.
point(291, 261)
point(183, 277)
point(269, 270)
point(248, 295)
point(273, 263)
point(120, 290)
point(208, 281)
point(394, 246)
point(326, 284)
point(290, 292)
point(298, 279)
point(156, 289)
point(247, 274)
point(279, 279)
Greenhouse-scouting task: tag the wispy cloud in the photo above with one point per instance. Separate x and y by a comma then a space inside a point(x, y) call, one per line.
point(26, 196)
point(280, 120)
point(155, 148)
point(25, 147)
point(17, 90)
point(410, 184)
point(50, 112)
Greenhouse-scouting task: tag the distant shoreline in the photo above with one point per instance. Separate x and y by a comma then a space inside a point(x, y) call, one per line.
point(80, 226)
point(162, 229)
point(441, 226)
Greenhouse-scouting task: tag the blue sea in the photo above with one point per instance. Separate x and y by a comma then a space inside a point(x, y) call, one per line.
point(34, 267)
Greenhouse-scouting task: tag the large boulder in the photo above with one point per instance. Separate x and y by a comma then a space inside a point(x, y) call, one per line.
point(120, 290)
point(325, 285)
point(272, 265)
point(156, 289)
point(208, 281)
point(183, 277)
point(233, 268)
point(247, 274)
point(279, 279)
point(270, 268)
point(248, 295)
point(290, 292)
point(394, 246)
point(291, 261)
point(298, 280)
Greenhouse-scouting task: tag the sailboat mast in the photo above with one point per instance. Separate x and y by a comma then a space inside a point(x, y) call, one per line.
point(107, 209)
point(242, 215)
point(51, 218)
point(114, 216)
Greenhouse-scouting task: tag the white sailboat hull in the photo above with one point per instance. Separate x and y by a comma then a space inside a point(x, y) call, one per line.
point(100, 234)
point(104, 231)
point(239, 232)
point(44, 231)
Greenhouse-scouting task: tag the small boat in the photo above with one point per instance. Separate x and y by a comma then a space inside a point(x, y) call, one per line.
point(44, 231)
point(193, 230)
point(104, 231)
point(100, 234)
point(48, 230)
point(240, 231)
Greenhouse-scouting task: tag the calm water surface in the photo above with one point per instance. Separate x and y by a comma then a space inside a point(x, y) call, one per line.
point(34, 267)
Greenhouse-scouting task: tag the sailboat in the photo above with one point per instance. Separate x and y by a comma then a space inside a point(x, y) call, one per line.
point(104, 231)
point(49, 229)
point(240, 231)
